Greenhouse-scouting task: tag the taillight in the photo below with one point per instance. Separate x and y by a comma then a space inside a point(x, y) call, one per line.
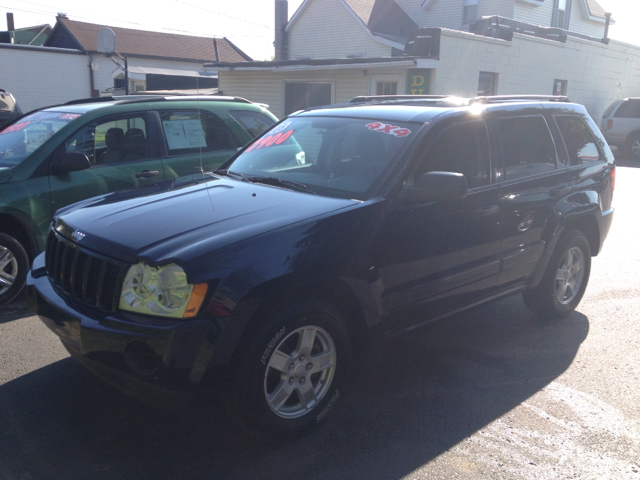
point(609, 124)
point(613, 180)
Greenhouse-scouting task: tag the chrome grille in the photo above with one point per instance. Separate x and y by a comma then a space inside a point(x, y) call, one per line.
point(75, 273)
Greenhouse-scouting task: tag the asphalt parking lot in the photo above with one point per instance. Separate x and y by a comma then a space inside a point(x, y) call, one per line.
point(494, 393)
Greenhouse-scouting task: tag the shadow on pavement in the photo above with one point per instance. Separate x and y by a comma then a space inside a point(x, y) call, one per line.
point(410, 400)
point(14, 310)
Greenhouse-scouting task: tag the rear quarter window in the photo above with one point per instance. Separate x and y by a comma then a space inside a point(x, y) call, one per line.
point(253, 122)
point(580, 143)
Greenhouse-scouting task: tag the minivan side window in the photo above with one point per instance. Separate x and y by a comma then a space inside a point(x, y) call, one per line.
point(461, 148)
point(189, 132)
point(121, 140)
point(581, 146)
point(527, 146)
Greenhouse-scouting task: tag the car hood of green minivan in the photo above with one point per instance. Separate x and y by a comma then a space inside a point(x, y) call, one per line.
point(5, 174)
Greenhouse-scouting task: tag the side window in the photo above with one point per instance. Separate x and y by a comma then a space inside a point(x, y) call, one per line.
point(119, 140)
point(190, 132)
point(628, 109)
point(527, 146)
point(581, 146)
point(253, 122)
point(461, 148)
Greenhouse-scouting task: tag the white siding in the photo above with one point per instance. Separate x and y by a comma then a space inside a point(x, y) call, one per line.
point(328, 30)
point(39, 78)
point(542, 15)
point(597, 74)
point(448, 13)
point(268, 87)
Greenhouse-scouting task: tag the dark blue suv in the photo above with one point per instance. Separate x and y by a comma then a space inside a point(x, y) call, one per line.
point(339, 224)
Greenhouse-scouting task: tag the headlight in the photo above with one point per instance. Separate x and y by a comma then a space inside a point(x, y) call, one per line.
point(161, 291)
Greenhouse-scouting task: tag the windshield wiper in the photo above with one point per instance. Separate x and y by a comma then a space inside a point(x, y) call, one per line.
point(278, 182)
point(228, 173)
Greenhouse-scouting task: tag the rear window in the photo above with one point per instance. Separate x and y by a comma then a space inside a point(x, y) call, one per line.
point(610, 108)
point(21, 139)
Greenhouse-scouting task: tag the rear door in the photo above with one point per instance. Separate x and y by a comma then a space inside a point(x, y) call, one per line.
point(122, 153)
point(532, 180)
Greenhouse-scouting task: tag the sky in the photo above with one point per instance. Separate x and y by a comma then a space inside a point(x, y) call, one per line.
point(247, 23)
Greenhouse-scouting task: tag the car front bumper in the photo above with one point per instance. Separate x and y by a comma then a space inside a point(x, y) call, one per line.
point(159, 361)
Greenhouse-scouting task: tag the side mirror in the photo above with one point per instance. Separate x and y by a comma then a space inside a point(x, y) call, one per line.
point(71, 162)
point(435, 186)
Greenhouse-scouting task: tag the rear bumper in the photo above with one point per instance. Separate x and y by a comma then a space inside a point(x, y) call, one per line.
point(156, 360)
point(606, 219)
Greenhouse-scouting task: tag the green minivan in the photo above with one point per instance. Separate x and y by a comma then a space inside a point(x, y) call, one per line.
point(60, 155)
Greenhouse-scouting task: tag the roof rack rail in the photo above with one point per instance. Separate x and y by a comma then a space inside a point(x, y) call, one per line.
point(155, 98)
point(383, 98)
point(525, 98)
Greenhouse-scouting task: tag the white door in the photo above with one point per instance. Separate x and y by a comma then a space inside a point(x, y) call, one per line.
point(387, 84)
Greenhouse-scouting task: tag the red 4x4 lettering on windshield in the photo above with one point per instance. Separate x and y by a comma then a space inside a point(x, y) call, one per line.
point(390, 129)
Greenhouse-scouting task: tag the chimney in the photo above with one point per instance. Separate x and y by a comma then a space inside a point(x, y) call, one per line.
point(282, 17)
point(10, 25)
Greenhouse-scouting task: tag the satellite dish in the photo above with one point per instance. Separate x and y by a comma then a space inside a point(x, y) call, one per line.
point(106, 41)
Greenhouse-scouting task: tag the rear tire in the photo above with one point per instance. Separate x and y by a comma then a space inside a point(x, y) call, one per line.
point(14, 264)
point(288, 375)
point(565, 280)
point(632, 146)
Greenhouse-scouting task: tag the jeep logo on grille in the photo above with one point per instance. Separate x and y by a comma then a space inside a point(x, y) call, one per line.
point(77, 235)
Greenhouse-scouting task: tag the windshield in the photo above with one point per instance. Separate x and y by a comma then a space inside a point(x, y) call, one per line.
point(339, 157)
point(21, 139)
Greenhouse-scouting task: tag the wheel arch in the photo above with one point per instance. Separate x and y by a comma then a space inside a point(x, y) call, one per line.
point(12, 226)
point(335, 291)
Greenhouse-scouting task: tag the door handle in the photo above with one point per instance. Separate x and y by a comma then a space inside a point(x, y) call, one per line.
point(486, 211)
point(147, 174)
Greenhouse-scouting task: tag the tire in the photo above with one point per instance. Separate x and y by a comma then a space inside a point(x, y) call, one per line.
point(632, 145)
point(278, 388)
point(565, 280)
point(14, 264)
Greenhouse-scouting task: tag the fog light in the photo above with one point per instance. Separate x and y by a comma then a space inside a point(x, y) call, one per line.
point(142, 358)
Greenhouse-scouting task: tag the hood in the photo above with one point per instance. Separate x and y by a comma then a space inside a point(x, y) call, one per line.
point(163, 223)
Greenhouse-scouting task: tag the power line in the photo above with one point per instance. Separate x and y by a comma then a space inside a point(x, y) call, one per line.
point(221, 14)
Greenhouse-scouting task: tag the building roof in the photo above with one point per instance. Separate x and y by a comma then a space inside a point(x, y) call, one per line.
point(595, 9)
point(383, 17)
point(83, 36)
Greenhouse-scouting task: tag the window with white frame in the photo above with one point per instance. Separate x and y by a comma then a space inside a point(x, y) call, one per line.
point(561, 14)
point(470, 12)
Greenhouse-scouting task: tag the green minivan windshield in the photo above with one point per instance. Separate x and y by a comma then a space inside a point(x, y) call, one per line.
point(21, 139)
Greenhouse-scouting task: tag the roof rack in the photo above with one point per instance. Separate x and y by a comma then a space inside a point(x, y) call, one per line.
point(384, 98)
point(524, 98)
point(156, 98)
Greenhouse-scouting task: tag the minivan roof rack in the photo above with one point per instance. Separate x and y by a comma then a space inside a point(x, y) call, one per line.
point(524, 98)
point(156, 98)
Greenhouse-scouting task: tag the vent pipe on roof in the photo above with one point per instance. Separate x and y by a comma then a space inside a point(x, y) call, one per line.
point(282, 17)
point(10, 25)
point(607, 22)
